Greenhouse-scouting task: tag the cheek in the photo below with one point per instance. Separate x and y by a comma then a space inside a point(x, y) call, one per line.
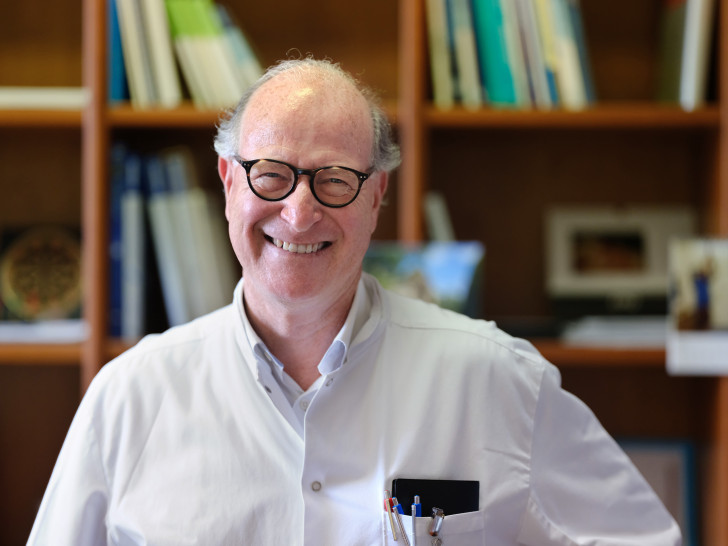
point(240, 214)
point(369, 214)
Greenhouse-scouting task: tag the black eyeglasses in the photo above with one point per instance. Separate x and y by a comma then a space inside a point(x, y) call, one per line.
point(332, 186)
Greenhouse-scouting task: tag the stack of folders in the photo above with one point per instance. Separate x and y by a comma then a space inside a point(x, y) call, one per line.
point(152, 41)
point(509, 53)
point(161, 205)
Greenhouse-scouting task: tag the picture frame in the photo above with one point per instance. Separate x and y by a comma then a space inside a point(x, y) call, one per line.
point(447, 273)
point(697, 337)
point(618, 252)
point(669, 467)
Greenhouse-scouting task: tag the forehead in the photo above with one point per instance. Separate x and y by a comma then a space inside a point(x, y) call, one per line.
point(294, 107)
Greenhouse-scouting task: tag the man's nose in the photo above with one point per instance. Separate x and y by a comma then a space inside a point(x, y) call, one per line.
point(301, 209)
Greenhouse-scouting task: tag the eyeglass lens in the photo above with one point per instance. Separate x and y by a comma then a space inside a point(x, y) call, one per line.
point(333, 185)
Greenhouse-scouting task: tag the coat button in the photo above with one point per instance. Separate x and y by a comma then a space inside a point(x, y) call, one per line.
point(316, 486)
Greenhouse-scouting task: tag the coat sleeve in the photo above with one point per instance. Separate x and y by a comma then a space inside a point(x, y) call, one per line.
point(73, 509)
point(584, 489)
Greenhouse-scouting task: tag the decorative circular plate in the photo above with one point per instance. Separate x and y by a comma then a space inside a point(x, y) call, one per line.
point(40, 274)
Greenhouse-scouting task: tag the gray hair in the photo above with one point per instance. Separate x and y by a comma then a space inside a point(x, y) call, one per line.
point(385, 151)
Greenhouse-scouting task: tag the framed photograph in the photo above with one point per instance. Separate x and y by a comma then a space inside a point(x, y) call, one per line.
point(669, 467)
point(448, 273)
point(697, 341)
point(611, 252)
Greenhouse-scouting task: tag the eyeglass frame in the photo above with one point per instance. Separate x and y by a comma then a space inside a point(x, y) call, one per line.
point(311, 173)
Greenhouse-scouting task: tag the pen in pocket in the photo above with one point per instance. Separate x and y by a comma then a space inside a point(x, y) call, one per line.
point(388, 507)
point(416, 513)
point(397, 510)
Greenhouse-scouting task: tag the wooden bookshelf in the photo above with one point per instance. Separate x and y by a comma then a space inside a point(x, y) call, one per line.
point(46, 354)
point(566, 355)
point(40, 118)
point(624, 116)
point(626, 148)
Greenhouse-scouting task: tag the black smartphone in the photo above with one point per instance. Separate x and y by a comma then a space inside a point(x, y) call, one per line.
point(453, 496)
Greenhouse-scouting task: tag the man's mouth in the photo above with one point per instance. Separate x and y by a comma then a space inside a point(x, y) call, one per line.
point(304, 248)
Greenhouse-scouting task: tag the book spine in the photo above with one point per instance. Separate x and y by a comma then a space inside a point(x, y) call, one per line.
point(493, 53)
point(440, 67)
point(118, 90)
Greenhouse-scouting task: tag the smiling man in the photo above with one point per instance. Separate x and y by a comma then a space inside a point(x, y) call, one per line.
point(301, 258)
point(288, 416)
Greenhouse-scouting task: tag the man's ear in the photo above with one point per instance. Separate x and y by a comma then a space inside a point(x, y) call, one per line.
point(225, 170)
point(381, 182)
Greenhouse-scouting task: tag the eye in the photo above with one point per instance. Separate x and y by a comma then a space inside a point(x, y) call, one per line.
point(334, 180)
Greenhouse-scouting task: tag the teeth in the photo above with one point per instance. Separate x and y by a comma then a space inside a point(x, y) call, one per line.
point(296, 248)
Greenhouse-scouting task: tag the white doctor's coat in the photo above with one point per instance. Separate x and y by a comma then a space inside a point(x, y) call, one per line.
point(178, 443)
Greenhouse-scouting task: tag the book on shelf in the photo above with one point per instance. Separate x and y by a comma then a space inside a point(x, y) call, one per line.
point(196, 266)
point(545, 22)
point(136, 54)
point(166, 245)
point(698, 33)
point(117, 156)
point(133, 247)
point(533, 53)
point(118, 86)
point(130, 286)
point(437, 217)
point(43, 98)
point(440, 59)
point(538, 84)
point(208, 264)
point(496, 70)
point(467, 70)
point(577, 25)
point(515, 53)
point(687, 29)
point(164, 68)
point(160, 48)
point(570, 76)
point(205, 53)
point(246, 59)
point(509, 54)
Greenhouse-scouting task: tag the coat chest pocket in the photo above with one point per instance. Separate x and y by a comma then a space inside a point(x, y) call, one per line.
point(457, 530)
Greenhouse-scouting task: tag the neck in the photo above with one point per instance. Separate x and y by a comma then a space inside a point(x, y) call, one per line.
point(298, 333)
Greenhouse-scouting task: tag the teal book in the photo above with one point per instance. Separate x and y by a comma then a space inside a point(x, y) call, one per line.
point(493, 53)
point(118, 89)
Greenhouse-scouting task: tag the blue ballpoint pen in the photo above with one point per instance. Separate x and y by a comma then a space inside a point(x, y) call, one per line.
point(417, 507)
